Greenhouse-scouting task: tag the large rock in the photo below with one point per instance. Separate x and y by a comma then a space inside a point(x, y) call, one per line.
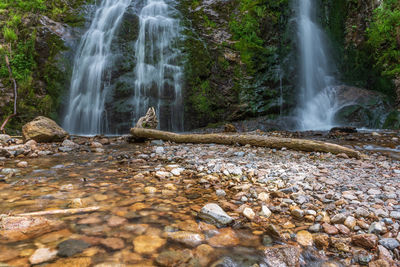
point(43, 129)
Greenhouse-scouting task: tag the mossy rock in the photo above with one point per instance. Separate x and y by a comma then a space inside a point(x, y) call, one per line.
point(392, 120)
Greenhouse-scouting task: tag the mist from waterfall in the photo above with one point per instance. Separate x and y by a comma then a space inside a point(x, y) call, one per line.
point(85, 112)
point(158, 71)
point(318, 102)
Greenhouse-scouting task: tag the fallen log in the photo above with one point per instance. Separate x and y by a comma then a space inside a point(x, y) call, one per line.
point(244, 139)
point(63, 211)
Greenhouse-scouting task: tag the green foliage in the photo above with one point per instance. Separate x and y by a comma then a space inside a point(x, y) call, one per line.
point(18, 30)
point(245, 27)
point(9, 35)
point(384, 36)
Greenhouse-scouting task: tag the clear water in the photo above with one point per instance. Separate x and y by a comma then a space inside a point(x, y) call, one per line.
point(89, 87)
point(158, 72)
point(318, 101)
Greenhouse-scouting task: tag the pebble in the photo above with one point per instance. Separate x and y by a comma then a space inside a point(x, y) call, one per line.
point(71, 247)
point(395, 215)
point(188, 238)
point(150, 190)
point(43, 255)
point(389, 243)
point(368, 241)
point(147, 244)
point(350, 222)
point(315, 228)
point(220, 192)
point(263, 196)
point(214, 214)
point(249, 213)
point(265, 211)
point(321, 240)
point(225, 238)
point(330, 229)
point(304, 238)
point(297, 213)
point(22, 164)
point(377, 228)
point(113, 243)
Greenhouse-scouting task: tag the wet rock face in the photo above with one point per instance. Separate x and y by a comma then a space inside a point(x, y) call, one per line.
point(43, 129)
point(362, 108)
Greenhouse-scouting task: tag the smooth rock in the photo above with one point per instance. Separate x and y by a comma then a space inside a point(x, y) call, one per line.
point(263, 196)
point(304, 238)
point(377, 228)
point(225, 238)
point(13, 228)
point(187, 238)
point(42, 255)
point(113, 243)
point(22, 164)
point(71, 247)
point(249, 213)
point(350, 222)
point(172, 258)
point(214, 214)
point(389, 243)
point(265, 211)
point(147, 244)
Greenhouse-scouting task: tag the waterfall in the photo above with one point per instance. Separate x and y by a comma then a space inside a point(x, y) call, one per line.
point(158, 72)
point(89, 84)
point(318, 102)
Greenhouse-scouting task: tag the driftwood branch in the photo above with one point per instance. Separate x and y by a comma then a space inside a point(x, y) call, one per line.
point(15, 93)
point(65, 211)
point(254, 140)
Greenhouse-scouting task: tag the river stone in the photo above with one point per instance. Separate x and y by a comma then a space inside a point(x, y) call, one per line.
point(147, 244)
point(304, 238)
point(13, 228)
point(113, 243)
point(69, 144)
point(225, 238)
point(389, 243)
point(282, 256)
point(42, 255)
point(43, 129)
point(214, 214)
point(395, 215)
point(368, 241)
point(188, 238)
point(71, 247)
point(171, 258)
point(4, 138)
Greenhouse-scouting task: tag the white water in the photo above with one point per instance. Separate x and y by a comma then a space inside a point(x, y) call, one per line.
point(89, 84)
point(318, 101)
point(158, 72)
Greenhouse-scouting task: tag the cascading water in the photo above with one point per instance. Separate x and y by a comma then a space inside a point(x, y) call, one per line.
point(158, 72)
point(89, 84)
point(318, 102)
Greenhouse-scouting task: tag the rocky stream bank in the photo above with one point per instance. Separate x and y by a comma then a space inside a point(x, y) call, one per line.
point(163, 204)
